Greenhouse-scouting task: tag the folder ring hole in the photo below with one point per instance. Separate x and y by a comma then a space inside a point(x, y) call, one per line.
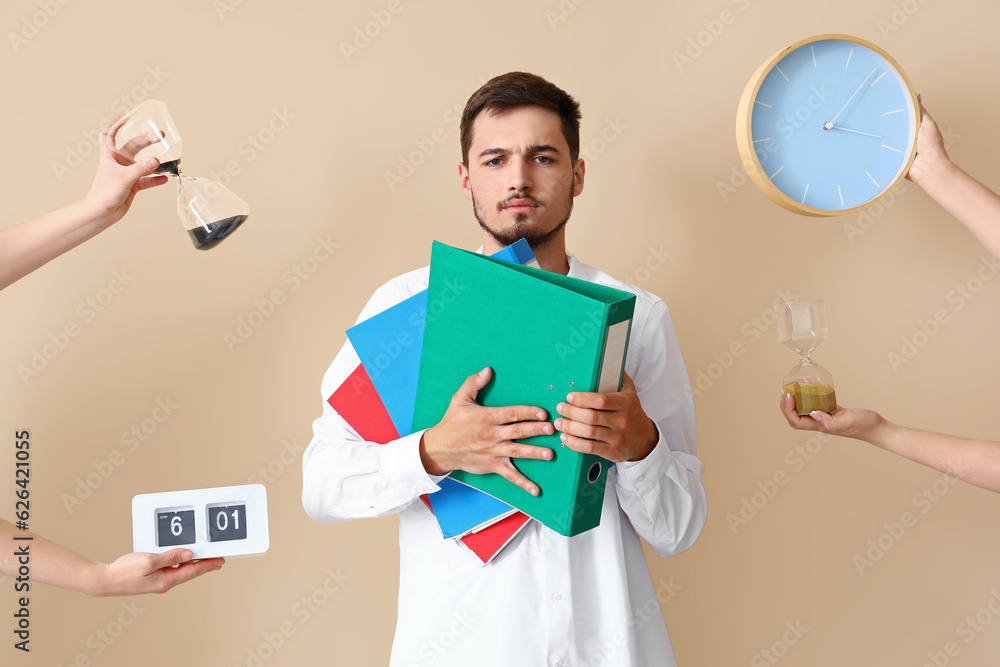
point(572, 384)
point(594, 473)
point(550, 387)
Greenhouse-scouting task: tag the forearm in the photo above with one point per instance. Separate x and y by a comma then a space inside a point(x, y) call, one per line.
point(973, 461)
point(31, 244)
point(968, 200)
point(48, 563)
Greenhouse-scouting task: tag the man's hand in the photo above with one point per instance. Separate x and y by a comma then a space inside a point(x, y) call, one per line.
point(612, 426)
point(137, 573)
point(480, 440)
point(858, 424)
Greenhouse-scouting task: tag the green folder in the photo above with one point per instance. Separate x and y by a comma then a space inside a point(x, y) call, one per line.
point(544, 335)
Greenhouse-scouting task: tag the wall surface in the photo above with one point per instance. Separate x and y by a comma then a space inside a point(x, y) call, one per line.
point(335, 137)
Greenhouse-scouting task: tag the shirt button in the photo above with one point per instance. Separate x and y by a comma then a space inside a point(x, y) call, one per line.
point(556, 597)
point(641, 478)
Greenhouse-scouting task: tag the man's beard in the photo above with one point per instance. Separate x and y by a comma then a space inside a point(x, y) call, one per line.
point(536, 239)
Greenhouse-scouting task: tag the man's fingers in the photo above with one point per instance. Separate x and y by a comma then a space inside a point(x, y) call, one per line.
point(524, 429)
point(519, 450)
point(473, 384)
point(152, 181)
point(507, 470)
point(512, 414)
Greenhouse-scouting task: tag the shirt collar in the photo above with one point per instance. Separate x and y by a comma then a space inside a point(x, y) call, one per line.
point(577, 269)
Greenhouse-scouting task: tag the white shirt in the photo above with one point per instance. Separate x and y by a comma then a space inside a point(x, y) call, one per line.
point(545, 599)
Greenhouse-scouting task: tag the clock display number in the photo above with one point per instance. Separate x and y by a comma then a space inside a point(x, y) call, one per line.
point(175, 528)
point(228, 522)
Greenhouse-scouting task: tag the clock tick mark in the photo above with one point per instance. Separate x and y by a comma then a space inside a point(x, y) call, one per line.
point(892, 112)
point(849, 58)
point(891, 148)
point(762, 104)
point(771, 177)
point(878, 79)
point(812, 47)
point(780, 72)
point(757, 141)
point(873, 180)
point(841, 195)
point(804, 194)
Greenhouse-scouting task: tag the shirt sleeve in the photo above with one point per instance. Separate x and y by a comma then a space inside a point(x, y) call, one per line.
point(662, 495)
point(345, 477)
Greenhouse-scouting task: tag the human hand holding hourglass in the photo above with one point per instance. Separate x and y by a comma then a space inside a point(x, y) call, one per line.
point(207, 209)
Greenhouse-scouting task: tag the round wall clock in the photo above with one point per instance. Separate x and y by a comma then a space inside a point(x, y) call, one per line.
point(828, 125)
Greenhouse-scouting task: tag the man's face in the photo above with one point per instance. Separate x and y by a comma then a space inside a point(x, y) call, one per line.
point(520, 178)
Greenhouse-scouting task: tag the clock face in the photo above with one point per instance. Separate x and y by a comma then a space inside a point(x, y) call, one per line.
point(832, 125)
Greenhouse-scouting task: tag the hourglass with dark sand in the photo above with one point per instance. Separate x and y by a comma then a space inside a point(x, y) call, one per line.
point(207, 209)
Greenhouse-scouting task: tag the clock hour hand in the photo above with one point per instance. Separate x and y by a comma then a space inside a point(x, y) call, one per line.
point(831, 126)
point(852, 97)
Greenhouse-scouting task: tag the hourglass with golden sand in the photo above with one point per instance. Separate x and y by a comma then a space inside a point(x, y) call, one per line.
point(801, 328)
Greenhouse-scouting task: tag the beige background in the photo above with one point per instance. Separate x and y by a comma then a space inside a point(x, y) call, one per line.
point(656, 185)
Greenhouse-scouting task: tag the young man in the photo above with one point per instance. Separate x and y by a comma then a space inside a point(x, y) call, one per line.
point(546, 599)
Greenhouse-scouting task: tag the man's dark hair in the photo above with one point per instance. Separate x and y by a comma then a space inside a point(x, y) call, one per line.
point(519, 89)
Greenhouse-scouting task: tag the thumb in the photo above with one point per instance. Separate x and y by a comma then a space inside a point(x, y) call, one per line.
point(144, 168)
point(627, 383)
point(171, 558)
point(474, 384)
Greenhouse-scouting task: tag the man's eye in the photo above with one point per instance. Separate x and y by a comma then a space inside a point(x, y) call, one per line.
point(543, 159)
point(494, 162)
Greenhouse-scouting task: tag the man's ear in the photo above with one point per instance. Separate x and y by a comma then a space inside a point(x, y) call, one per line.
point(463, 180)
point(578, 172)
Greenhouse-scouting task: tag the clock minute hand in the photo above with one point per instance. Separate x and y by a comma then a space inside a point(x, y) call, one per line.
point(855, 94)
point(831, 126)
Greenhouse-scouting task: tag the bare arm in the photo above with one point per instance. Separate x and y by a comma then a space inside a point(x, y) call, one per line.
point(972, 203)
point(26, 246)
point(132, 574)
point(974, 461)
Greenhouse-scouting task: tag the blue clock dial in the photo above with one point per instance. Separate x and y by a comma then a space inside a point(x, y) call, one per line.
point(833, 124)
